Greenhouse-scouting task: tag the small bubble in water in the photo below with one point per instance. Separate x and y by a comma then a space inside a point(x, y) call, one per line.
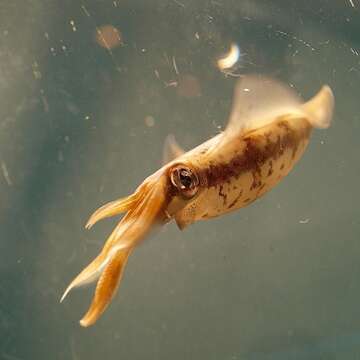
point(72, 23)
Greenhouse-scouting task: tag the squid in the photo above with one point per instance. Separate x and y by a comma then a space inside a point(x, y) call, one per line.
point(268, 130)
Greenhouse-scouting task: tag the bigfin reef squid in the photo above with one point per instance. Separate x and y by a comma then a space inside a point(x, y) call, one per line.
point(268, 130)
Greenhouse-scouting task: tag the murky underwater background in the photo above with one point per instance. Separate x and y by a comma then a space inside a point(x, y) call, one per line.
point(88, 92)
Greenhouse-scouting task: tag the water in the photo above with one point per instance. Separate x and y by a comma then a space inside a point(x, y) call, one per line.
point(81, 125)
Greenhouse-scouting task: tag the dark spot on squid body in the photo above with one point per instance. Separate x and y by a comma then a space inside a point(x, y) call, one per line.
point(261, 187)
point(222, 194)
point(236, 199)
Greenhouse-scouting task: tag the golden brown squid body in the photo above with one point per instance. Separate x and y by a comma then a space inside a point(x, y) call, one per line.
point(267, 133)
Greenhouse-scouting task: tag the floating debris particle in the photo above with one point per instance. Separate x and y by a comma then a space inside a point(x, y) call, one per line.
point(230, 58)
point(305, 221)
point(301, 41)
point(108, 37)
point(188, 86)
point(171, 83)
point(86, 12)
point(354, 51)
point(60, 156)
point(6, 173)
point(36, 71)
point(179, 3)
point(175, 66)
point(44, 100)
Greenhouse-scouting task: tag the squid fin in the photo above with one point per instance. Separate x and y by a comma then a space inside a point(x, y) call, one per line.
point(320, 108)
point(171, 150)
point(106, 286)
point(257, 101)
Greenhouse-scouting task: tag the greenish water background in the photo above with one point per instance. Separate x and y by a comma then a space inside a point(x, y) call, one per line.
point(277, 280)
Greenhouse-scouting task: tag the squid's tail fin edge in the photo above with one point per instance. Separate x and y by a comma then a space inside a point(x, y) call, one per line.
point(320, 108)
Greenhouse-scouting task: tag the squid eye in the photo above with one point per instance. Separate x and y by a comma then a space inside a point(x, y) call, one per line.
point(185, 180)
